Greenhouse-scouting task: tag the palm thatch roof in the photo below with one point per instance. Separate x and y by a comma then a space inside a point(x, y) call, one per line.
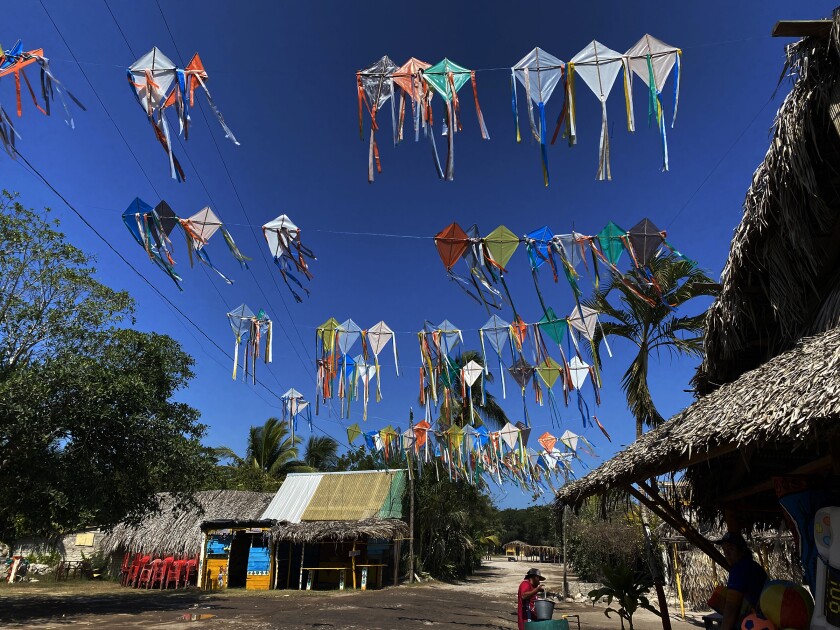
point(789, 405)
point(780, 282)
point(174, 530)
point(338, 531)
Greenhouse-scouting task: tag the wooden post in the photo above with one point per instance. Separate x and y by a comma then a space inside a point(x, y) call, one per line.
point(679, 581)
point(289, 569)
point(396, 544)
point(411, 511)
point(353, 563)
point(300, 583)
point(565, 570)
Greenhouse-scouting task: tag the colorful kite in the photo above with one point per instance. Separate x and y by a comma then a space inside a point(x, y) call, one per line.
point(294, 405)
point(497, 332)
point(375, 88)
point(539, 73)
point(13, 62)
point(377, 337)
point(469, 375)
point(652, 61)
point(151, 228)
point(199, 228)
point(158, 83)
point(598, 66)
point(409, 79)
point(289, 254)
point(446, 78)
point(251, 329)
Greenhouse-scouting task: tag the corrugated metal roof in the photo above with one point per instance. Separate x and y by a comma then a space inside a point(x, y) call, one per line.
point(350, 497)
point(392, 506)
point(293, 497)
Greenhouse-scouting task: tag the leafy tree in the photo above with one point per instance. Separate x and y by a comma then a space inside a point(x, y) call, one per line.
point(457, 409)
point(270, 449)
point(89, 432)
point(321, 453)
point(534, 525)
point(359, 458)
point(652, 323)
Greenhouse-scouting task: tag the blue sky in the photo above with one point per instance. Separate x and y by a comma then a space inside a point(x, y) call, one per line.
point(283, 75)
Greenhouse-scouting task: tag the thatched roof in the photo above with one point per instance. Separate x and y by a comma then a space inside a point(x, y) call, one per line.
point(338, 531)
point(780, 282)
point(179, 531)
point(791, 402)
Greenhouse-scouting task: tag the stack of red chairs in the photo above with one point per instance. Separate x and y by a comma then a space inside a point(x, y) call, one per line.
point(146, 571)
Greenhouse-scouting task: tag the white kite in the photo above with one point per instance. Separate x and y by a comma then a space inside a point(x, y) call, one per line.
point(289, 254)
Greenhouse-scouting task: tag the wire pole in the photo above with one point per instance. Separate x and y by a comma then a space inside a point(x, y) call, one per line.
point(411, 508)
point(565, 564)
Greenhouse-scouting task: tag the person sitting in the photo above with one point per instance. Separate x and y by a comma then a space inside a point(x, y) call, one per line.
point(528, 590)
point(746, 581)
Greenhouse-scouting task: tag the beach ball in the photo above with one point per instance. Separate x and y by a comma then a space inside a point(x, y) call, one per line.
point(754, 622)
point(787, 605)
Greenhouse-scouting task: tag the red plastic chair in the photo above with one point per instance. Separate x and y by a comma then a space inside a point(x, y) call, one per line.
point(126, 567)
point(137, 569)
point(176, 570)
point(190, 571)
point(147, 573)
point(160, 572)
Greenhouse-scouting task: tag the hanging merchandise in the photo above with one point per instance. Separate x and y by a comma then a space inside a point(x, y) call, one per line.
point(251, 329)
point(447, 78)
point(539, 73)
point(374, 88)
point(157, 83)
point(287, 251)
point(13, 62)
point(652, 61)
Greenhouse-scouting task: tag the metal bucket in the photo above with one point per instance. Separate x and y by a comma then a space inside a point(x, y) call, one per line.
point(543, 609)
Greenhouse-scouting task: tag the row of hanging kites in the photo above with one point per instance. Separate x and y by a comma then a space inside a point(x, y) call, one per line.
point(539, 73)
point(486, 259)
point(476, 454)
point(348, 372)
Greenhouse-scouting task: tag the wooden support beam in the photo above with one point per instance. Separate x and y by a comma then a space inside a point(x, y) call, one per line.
point(656, 504)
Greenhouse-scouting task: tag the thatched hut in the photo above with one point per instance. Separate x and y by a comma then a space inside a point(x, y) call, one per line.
point(174, 530)
point(330, 525)
point(769, 386)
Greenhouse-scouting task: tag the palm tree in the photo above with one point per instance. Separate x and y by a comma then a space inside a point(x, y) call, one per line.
point(652, 323)
point(321, 453)
point(457, 409)
point(270, 449)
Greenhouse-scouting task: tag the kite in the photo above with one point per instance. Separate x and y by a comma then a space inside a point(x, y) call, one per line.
point(250, 328)
point(377, 337)
point(652, 61)
point(469, 375)
point(538, 244)
point(644, 239)
point(501, 244)
point(451, 244)
point(497, 331)
point(522, 372)
point(151, 228)
point(446, 78)
point(353, 432)
point(375, 88)
point(157, 83)
point(585, 321)
point(294, 405)
point(546, 440)
point(409, 79)
point(13, 62)
point(612, 241)
point(549, 371)
point(364, 371)
point(346, 336)
point(598, 66)
point(539, 73)
point(289, 254)
point(199, 228)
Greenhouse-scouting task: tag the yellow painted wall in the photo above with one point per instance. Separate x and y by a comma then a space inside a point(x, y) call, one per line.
point(213, 565)
point(258, 582)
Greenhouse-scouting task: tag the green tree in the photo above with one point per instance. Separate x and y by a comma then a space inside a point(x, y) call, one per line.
point(89, 432)
point(457, 409)
point(652, 323)
point(271, 450)
point(321, 453)
point(359, 458)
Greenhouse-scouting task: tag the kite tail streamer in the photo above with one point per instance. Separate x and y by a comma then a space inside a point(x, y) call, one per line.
point(228, 133)
point(484, 134)
point(676, 87)
point(543, 149)
point(269, 355)
point(604, 153)
point(628, 95)
point(236, 355)
point(514, 104)
point(530, 102)
point(584, 409)
point(564, 110)
point(8, 133)
point(360, 92)
point(435, 156)
point(234, 249)
point(571, 127)
point(450, 155)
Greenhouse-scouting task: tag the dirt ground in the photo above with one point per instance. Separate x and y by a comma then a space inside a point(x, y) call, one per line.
point(487, 600)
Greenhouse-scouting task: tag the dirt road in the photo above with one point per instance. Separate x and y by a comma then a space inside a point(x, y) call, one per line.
point(487, 600)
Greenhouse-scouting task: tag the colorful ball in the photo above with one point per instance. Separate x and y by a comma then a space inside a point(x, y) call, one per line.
point(787, 605)
point(755, 622)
